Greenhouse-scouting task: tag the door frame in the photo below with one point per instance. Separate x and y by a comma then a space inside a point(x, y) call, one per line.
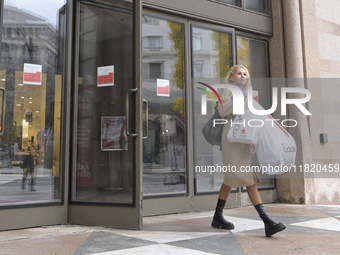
point(114, 215)
point(205, 201)
point(192, 201)
point(167, 204)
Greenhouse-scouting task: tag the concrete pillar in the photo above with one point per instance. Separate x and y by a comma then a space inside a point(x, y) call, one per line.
point(293, 38)
point(291, 187)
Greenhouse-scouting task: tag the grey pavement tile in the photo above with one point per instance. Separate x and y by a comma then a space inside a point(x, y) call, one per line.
point(329, 210)
point(100, 241)
point(218, 244)
point(201, 224)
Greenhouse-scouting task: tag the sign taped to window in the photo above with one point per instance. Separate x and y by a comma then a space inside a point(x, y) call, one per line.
point(113, 135)
point(32, 74)
point(105, 76)
point(163, 89)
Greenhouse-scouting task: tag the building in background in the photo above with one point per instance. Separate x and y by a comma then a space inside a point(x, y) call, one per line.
point(306, 39)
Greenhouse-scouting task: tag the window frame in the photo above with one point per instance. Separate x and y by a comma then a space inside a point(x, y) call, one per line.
point(165, 16)
point(242, 7)
point(67, 40)
point(269, 92)
point(217, 28)
point(153, 39)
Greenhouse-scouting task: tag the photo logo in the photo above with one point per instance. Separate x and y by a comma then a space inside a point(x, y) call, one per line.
point(238, 99)
point(204, 97)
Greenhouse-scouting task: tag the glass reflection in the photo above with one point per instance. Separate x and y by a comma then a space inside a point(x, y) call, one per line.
point(253, 54)
point(261, 6)
point(31, 71)
point(210, 65)
point(164, 150)
point(233, 2)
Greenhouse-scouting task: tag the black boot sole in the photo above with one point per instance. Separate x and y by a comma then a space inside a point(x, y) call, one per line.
point(216, 224)
point(275, 229)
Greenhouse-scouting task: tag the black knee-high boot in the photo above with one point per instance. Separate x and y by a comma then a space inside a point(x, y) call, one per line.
point(219, 221)
point(271, 227)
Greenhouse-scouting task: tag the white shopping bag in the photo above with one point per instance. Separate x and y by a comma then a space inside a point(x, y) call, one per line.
point(276, 148)
point(241, 130)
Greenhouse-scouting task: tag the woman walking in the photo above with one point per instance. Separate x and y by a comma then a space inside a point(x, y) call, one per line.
point(238, 154)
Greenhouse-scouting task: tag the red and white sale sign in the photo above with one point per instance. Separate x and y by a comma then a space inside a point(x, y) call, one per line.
point(163, 89)
point(32, 74)
point(105, 76)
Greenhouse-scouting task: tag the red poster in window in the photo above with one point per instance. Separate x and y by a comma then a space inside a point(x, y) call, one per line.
point(32, 74)
point(163, 88)
point(105, 76)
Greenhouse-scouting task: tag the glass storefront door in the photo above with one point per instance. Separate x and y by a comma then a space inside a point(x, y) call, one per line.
point(212, 56)
point(164, 149)
point(71, 134)
point(31, 84)
point(165, 162)
point(106, 122)
point(177, 55)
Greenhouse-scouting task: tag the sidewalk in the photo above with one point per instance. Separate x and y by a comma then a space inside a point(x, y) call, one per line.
point(313, 229)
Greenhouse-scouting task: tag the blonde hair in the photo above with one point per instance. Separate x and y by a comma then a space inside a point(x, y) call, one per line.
point(232, 71)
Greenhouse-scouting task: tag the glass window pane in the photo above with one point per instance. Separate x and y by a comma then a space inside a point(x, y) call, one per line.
point(155, 70)
point(31, 72)
point(261, 6)
point(210, 66)
point(253, 54)
point(164, 150)
point(197, 42)
point(233, 2)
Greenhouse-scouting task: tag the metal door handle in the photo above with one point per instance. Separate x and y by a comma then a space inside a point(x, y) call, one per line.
point(3, 111)
point(146, 118)
point(127, 106)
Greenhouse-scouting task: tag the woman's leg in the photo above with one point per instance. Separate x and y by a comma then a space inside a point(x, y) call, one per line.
point(254, 194)
point(219, 221)
point(271, 227)
point(224, 192)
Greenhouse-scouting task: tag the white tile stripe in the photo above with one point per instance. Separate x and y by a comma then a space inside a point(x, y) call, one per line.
point(242, 224)
point(167, 236)
point(324, 223)
point(156, 249)
point(331, 206)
